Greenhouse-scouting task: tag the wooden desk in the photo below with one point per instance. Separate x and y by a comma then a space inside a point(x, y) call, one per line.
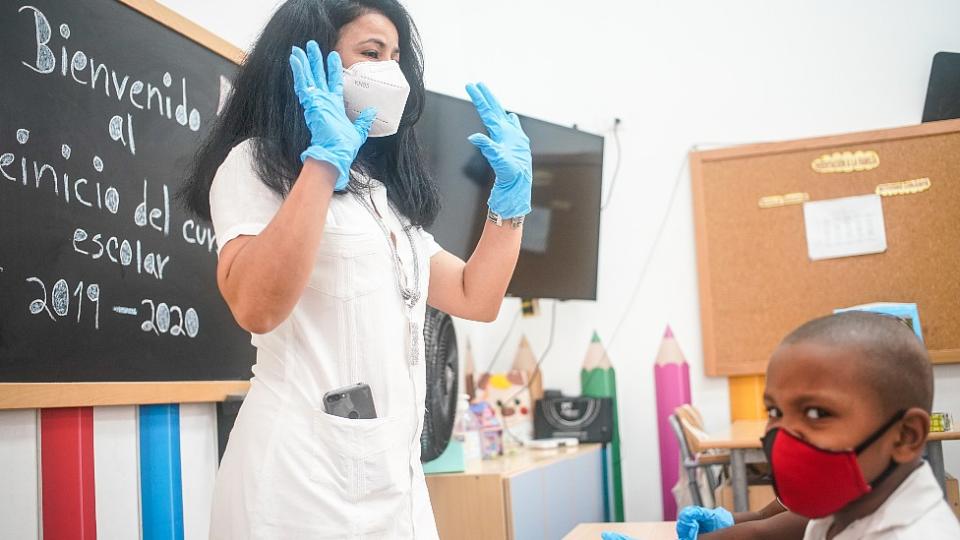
point(532, 494)
point(663, 530)
point(742, 438)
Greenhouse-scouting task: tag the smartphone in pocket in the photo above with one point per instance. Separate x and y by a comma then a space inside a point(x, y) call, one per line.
point(354, 402)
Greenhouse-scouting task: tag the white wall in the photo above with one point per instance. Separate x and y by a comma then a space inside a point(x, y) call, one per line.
point(677, 74)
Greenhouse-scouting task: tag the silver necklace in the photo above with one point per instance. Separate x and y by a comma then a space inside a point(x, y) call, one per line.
point(409, 294)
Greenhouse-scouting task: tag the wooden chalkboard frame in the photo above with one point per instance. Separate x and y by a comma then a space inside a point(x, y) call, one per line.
point(42, 395)
point(706, 271)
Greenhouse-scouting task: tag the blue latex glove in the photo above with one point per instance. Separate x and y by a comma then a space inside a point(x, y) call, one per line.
point(508, 151)
point(333, 137)
point(697, 519)
point(607, 535)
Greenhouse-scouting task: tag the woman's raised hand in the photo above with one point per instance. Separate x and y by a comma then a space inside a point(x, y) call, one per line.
point(333, 137)
point(507, 148)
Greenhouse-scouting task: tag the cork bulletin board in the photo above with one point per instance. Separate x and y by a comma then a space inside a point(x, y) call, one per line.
point(756, 279)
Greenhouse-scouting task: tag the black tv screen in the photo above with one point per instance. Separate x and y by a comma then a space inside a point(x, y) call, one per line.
point(943, 90)
point(558, 256)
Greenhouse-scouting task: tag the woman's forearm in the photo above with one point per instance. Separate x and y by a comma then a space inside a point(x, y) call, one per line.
point(267, 274)
point(487, 274)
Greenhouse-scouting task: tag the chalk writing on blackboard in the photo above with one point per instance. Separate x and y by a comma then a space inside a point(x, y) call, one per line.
point(45, 176)
point(162, 319)
point(60, 299)
point(103, 275)
point(85, 70)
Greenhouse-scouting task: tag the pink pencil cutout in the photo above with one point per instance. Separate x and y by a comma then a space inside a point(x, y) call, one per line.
point(672, 383)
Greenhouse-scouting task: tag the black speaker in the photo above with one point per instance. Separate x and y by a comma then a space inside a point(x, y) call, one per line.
point(586, 419)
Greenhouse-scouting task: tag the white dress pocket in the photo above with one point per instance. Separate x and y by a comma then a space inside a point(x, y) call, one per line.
point(372, 452)
point(350, 264)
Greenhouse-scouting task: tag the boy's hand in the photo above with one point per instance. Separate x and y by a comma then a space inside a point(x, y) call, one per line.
point(607, 535)
point(694, 520)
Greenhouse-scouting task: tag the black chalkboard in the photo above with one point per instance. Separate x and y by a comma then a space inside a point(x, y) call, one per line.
point(104, 276)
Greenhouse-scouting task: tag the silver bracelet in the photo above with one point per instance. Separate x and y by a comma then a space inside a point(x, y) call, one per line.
point(498, 220)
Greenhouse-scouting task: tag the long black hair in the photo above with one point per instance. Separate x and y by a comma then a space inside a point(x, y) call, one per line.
point(265, 107)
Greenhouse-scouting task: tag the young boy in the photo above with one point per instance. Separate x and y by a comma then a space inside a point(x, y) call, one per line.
point(849, 399)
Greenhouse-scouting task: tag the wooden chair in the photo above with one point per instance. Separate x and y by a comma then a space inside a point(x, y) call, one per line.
point(687, 424)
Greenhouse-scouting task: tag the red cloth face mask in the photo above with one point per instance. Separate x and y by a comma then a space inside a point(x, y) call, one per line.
point(814, 482)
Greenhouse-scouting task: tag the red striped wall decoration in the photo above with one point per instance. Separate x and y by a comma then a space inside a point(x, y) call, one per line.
point(67, 479)
point(86, 463)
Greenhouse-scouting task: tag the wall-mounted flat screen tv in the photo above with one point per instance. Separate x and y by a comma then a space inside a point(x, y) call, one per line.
point(558, 257)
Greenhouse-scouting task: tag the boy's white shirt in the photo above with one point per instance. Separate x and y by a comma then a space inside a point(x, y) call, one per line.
point(916, 509)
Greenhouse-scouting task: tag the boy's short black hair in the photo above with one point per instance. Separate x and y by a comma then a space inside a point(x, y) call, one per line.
point(896, 365)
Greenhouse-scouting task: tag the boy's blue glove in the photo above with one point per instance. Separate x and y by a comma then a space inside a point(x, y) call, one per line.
point(607, 535)
point(508, 151)
point(697, 519)
point(333, 137)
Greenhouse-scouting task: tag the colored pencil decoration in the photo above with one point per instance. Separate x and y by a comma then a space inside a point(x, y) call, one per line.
point(598, 379)
point(526, 361)
point(672, 382)
point(469, 374)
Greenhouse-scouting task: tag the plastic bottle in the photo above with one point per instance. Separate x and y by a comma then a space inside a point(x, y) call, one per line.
point(466, 429)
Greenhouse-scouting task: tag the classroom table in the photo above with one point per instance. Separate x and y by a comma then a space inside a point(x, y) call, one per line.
point(659, 530)
point(527, 494)
point(742, 439)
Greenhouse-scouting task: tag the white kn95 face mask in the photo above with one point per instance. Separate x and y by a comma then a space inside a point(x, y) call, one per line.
point(380, 85)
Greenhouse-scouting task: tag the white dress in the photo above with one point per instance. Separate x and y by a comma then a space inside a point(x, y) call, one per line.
point(290, 470)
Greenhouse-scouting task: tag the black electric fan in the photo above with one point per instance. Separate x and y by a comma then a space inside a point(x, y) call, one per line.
point(442, 363)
